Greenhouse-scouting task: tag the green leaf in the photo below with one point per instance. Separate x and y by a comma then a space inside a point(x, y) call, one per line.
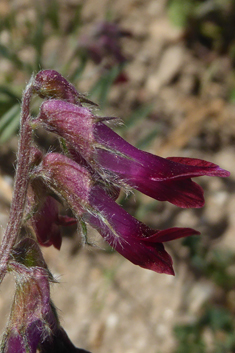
point(9, 123)
point(103, 85)
point(5, 90)
point(139, 114)
point(52, 14)
point(5, 52)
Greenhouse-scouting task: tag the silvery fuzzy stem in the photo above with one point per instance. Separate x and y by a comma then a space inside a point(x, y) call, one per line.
point(20, 185)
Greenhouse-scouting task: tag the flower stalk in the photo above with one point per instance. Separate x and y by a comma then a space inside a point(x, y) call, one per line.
point(20, 185)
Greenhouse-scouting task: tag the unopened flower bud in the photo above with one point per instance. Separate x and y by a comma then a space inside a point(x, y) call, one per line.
point(51, 84)
point(33, 325)
point(31, 315)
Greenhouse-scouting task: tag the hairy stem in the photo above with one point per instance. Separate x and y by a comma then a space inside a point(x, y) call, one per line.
point(20, 185)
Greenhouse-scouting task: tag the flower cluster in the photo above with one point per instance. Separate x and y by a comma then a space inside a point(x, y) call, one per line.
point(97, 162)
point(86, 176)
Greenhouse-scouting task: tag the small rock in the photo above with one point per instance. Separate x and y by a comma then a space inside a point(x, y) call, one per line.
point(163, 31)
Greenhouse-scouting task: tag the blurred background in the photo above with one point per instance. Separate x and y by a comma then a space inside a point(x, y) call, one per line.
point(167, 69)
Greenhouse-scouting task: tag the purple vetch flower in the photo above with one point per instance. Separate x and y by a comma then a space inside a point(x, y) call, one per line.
point(104, 43)
point(131, 238)
point(103, 47)
point(33, 324)
point(43, 216)
point(122, 164)
point(31, 318)
point(47, 221)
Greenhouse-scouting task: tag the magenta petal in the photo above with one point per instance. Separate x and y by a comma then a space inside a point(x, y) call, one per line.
point(34, 334)
point(131, 238)
point(171, 234)
point(148, 255)
point(15, 341)
point(46, 224)
point(213, 169)
point(142, 163)
point(162, 179)
point(183, 193)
